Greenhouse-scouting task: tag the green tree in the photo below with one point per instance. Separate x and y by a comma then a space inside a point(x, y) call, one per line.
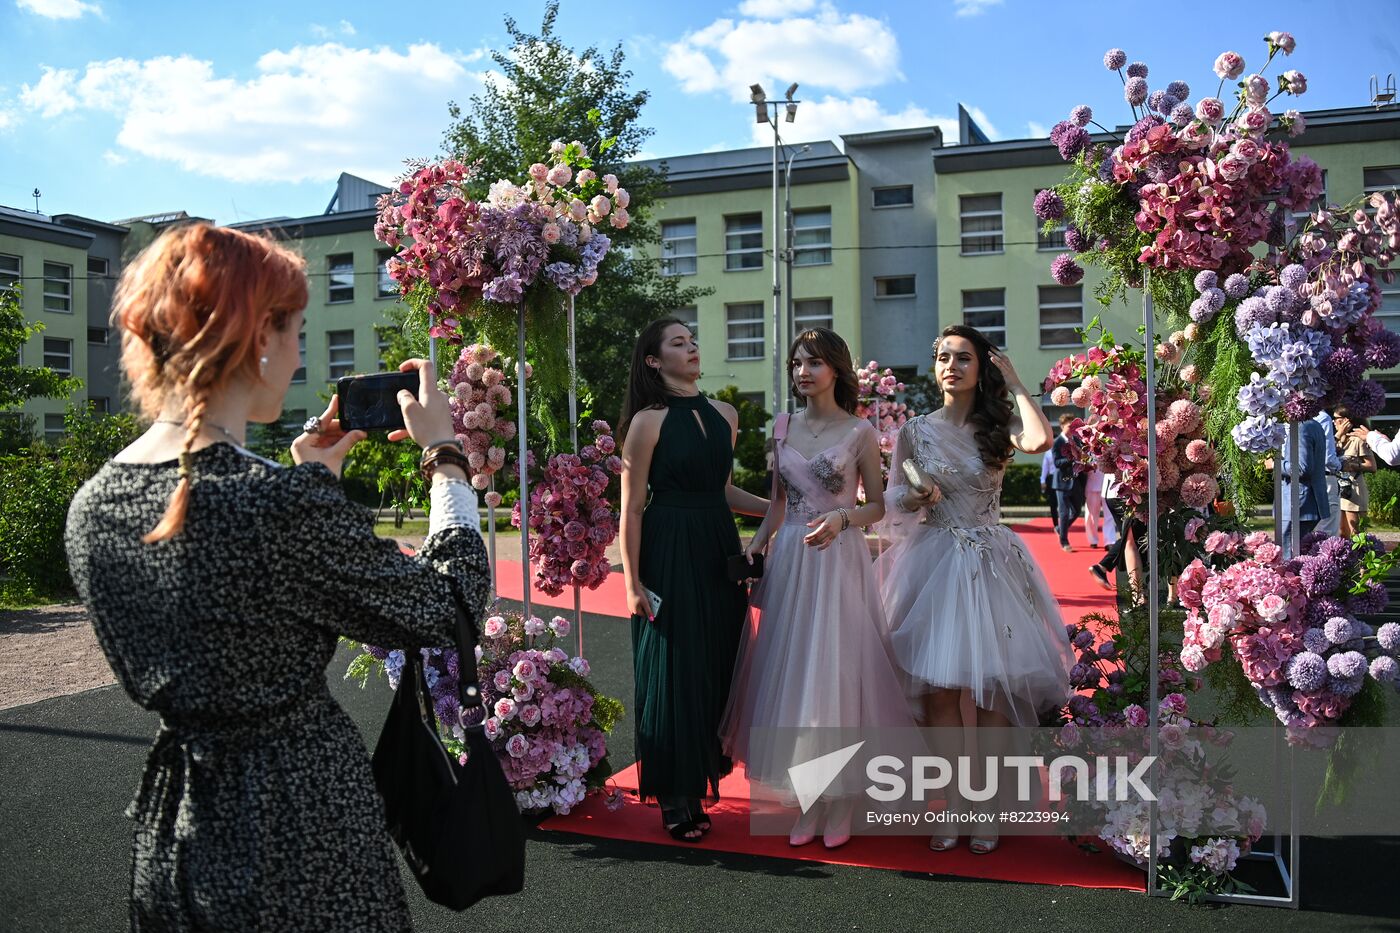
point(750, 454)
point(19, 383)
point(549, 91)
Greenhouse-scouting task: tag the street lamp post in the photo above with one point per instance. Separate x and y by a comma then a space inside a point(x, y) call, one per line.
point(766, 111)
point(788, 255)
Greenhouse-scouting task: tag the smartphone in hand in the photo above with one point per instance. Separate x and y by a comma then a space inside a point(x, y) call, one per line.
point(371, 402)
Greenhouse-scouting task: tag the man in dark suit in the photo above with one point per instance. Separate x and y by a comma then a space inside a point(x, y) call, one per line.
point(1062, 480)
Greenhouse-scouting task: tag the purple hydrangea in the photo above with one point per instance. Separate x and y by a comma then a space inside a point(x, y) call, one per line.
point(1307, 671)
point(1065, 271)
point(1135, 91)
point(1258, 434)
point(1205, 279)
point(1338, 630)
point(1115, 59)
point(1384, 669)
point(1179, 89)
point(1237, 285)
point(1293, 275)
point(1137, 70)
point(1081, 115)
point(1259, 396)
point(1347, 665)
point(1076, 240)
point(1292, 355)
point(1366, 399)
point(1388, 637)
point(1049, 205)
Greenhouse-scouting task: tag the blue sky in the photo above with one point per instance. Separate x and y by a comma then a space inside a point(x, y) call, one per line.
point(115, 108)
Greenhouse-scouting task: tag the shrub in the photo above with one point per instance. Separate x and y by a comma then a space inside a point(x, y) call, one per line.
point(1384, 506)
point(1021, 485)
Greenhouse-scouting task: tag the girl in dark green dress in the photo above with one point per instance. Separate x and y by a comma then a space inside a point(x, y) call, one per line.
point(679, 447)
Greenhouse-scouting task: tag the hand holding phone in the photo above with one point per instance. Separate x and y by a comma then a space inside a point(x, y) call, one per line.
point(371, 402)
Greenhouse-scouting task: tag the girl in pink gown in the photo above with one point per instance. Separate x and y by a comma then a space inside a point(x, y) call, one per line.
point(814, 663)
point(968, 608)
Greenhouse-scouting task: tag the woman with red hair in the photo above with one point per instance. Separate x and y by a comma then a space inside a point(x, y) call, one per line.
point(218, 583)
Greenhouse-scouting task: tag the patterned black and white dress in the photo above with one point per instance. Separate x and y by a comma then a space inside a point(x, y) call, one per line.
point(257, 809)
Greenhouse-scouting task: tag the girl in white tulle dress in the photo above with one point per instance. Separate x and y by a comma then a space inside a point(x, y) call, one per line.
point(968, 608)
point(814, 663)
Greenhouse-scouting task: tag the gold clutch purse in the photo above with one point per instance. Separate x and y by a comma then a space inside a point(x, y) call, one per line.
point(921, 482)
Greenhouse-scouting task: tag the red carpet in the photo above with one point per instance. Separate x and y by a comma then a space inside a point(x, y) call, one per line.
point(1035, 859)
point(609, 599)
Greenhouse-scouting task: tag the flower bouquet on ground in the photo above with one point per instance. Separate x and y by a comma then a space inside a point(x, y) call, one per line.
point(546, 722)
point(572, 516)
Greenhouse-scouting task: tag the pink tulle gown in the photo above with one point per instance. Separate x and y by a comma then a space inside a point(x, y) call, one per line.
point(814, 652)
point(966, 603)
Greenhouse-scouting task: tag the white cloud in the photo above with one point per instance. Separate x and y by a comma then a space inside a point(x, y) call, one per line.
point(112, 157)
point(831, 50)
point(830, 117)
point(1036, 130)
point(58, 9)
point(310, 113)
point(974, 7)
point(8, 119)
point(774, 9)
point(343, 28)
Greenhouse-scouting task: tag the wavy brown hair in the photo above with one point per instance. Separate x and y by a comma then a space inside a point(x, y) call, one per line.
point(991, 409)
point(190, 309)
point(829, 347)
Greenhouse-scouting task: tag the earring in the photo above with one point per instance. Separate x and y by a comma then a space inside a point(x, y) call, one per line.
point(263, 361)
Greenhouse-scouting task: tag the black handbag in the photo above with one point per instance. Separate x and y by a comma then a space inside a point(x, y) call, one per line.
point(457, 825)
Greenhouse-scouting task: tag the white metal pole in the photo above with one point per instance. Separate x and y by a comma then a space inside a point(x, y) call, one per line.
point(777, 281)
point(522, 455)
point(573, 439)
point(1153, 712)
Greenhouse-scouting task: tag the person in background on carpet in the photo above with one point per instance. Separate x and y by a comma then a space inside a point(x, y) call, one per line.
point(1332, 523)
point(1313, 505)
point(1123, 554)
point(821, 658)
point(1357, 461)
point(1052, 499)
point(1384, 448)
point(969, 611)
point(218, 584)
point(1096, 528)
point(1064, 481)
point(678, 446)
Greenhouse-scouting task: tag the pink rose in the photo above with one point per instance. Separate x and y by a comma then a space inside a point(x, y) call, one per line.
point(492, 728)
point(495, 627)
point(1175, 703)
point(1135, 715)
point(600, 205)
point(534, 626)
point(1229, 65)
point(1246, 149)
point(621, 198)
point(1060, 396)
point(505, 709)
point(530, 715)
point(560, 175)
point(1193, 658)
point(1217, 542)
point(585, 176)
point(523, 692)
point(502, 680)
point(1232, 168)
point(1210, 110)
point(610, 182)
point(1255, 121)
point(539, 171)
point(1172, 735)
point(518, 746)
point(550, 233)
point(578, 210)
point(1272, 608)
point(1282, 41)
point(1268, 553)
point(619, 218)
point(1295, 81)
point(559, 626)
point(1256, 89)
point(526, 670)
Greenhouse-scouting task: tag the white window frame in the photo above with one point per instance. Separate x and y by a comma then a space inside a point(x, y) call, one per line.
point(299, 376)
point(690, 317)
point(999, 233)
point(53, 435)
point(1371, 189)
point(10, 278)
point(893, 278)
point(757, 309)
point(106, 335)
point(1390, 295)
point(337, 278)
point(335, 369)
point(903, 205)
point(739, 254)
point(677, 247)
point(801, 321)
point(1042, 306)
point(65, 296)
point(816, 253)
point(990, 331)
point(384, 287)
point(61, 347)
point(102, 266)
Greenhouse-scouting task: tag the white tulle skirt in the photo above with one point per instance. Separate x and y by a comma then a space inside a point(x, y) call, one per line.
point(968, 608)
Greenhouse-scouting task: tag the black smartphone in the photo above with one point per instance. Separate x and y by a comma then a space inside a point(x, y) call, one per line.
point(371, 402)
point(740, 569)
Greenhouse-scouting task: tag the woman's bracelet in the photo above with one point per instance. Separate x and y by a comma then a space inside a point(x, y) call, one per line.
point(845, 519)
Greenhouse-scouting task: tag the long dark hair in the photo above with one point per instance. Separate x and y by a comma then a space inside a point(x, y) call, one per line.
point(645, 387)
point(991, 409)
point(828, 346)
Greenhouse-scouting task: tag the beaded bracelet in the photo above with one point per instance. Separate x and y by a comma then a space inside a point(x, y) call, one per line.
point(448, 453)
point(845, 519)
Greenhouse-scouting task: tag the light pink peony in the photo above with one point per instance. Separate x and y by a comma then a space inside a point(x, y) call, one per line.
point(1229, 65)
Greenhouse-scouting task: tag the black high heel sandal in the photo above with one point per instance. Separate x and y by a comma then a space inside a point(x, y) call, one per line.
point(681, 831)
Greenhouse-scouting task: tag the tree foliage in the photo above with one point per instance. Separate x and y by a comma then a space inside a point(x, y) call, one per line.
point(19, 383)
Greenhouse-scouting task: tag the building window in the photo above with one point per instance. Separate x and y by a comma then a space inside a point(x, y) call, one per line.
point(341, 279)
point(985, 309)
point(1302, 216)
point(58, 355)
point(296, 419)
point(1389, 311)
point(1056, 239)
point(980, 215)
point(1061, 315)
point(340, 345)
point(98, 336)
point(53, 428)
point(100, 404)
point(894, 286)
point(743, 242)
point(690, 317)
point(300, 375)
point(678, 247)
point(811, 239)
point(1389, 418)
point(58, 288)
point(811, 312)
point(1386, 178)
point(384, 287)
point(381, 347)
point(893, 196)
point(745, 324)
point(97, 266)
point(10, 267)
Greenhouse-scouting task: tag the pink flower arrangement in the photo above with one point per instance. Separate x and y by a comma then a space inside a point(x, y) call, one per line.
point(875, 402)
point(572, 520)
point(479, 399)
